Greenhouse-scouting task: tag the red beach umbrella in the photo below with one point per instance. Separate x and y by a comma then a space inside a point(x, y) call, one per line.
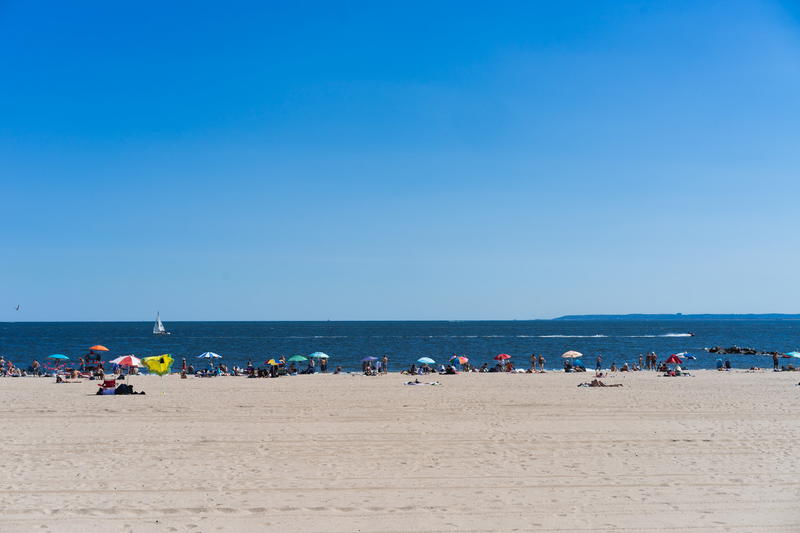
point(674, 360)
point(502, 357)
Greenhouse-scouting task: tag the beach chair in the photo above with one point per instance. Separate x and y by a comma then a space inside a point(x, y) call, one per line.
point(108, 386)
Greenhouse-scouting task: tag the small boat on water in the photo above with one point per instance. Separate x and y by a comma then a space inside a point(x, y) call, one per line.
point(158, 327)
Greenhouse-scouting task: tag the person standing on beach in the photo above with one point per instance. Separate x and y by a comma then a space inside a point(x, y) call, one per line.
point(385, 365)
point(541, 363)
point(775, 361)
point(598, 363)
point(534, 359)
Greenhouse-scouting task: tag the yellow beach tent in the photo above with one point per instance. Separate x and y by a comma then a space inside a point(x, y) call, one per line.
point(158, 364)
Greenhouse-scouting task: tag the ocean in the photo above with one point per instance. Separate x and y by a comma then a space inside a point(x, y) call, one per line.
point(404, 342)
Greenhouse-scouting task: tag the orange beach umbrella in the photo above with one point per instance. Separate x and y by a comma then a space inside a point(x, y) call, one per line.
point(98, 348)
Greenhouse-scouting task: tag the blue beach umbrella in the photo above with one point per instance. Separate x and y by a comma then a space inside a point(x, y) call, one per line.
point(426, 360)
point(794, 354)
point(57, 356)
point(370, 358)
point(319, 355)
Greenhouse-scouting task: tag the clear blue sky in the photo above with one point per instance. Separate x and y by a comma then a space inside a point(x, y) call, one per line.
point(398, 160)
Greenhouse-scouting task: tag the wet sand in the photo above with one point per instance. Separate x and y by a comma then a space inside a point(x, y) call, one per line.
point(488, 452)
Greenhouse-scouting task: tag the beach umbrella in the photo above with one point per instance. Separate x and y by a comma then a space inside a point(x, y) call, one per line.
point(426, 360)
point(319, 355)
point(502, 357)
point(793, 354)
point(673, 360)
point(297, 359)
point(572, 354)
point(98, 348)
point(460, 359)
point(686, 355)
point(209, 355)
point(273, 362)
point(57, 356)
point(368, 359)
point(127, 360)
point(158, 364)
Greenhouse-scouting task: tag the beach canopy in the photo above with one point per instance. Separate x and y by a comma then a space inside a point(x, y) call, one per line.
point(127, 360)
point(297, 358)
point(460, 359)
point(572, 354)
point(57, 356)
point(273, 362)
point(98, 348)
point(793, 354)
point(673, 360)
point(209, 355)
point(502, 357)
point(158, 364)
point(369, 358)
point(426, 360)
point(319, 355)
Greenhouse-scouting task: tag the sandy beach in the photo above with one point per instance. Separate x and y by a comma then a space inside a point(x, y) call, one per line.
point(481, 452)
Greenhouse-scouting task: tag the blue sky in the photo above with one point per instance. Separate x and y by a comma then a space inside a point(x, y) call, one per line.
point(398, 160)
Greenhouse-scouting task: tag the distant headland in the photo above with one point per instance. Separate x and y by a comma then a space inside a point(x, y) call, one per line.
point(681, 316)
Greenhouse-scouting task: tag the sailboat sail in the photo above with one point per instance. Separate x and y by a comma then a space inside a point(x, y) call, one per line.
point(159, 328)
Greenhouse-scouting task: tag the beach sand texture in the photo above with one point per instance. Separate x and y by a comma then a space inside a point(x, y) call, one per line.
point(482, 452)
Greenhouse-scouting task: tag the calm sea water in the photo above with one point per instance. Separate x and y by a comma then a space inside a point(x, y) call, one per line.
point(404, 342)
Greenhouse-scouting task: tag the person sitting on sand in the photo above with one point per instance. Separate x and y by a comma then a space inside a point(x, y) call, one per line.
point(613, 367)
point(624, 367)
point(338, 370)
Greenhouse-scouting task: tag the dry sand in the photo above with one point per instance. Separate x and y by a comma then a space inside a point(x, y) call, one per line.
point(488, 452)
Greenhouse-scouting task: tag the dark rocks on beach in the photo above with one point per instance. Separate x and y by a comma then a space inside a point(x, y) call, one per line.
point(738, 350)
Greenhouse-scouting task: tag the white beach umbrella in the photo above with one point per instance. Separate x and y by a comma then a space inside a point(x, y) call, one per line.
point(209, 355)
point(572, 354)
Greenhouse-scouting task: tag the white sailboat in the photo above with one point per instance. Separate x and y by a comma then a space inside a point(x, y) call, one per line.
point(158, 327)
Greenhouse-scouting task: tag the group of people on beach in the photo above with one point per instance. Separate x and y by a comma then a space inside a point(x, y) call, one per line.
point(92, 367)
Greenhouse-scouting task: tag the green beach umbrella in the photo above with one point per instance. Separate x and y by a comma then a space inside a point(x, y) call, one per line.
point(297, 358)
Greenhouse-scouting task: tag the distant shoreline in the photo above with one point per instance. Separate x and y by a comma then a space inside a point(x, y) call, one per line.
point(679, 316)
point(628, 317)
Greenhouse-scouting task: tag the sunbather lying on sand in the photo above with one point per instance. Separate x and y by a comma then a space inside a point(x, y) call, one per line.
point(418, 382)
point(598, 383)
point(59, 379)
